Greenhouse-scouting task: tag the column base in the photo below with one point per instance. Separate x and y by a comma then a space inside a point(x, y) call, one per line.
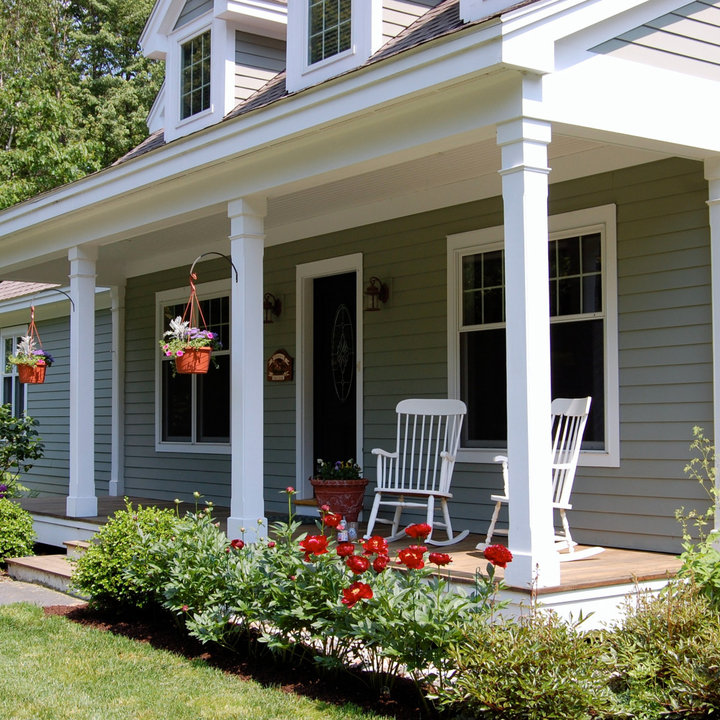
point(115, 488)
point(81, 507)
point(247, 529)
point(527, 571)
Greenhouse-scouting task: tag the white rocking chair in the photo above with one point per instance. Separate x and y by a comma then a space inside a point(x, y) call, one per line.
point(419, 472)
point(569, 417)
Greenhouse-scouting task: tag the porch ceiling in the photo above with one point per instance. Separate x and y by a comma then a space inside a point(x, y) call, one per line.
point(430, 182)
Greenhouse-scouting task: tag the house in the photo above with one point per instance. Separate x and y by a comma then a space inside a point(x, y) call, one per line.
point(463, 155)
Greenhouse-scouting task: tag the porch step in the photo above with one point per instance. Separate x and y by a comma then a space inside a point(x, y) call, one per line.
point(75, 548)
point(53, 571)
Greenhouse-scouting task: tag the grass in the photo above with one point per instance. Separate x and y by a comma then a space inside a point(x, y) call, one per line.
point(53, 669)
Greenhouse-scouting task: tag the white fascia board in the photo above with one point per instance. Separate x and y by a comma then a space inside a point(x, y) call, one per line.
point(636, 100)
point(156, 116)
point(268, 11)
point(153, 39)
point(358, 93)
point(15, 310)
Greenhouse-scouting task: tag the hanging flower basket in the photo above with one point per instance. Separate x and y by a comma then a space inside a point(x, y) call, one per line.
point(190, 346)
point(30, 358)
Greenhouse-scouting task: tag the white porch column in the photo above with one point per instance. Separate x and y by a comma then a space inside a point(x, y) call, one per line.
point(117, 417)
point(247, 241)
point(712, 175)
point(81, 501)
point(525, 188)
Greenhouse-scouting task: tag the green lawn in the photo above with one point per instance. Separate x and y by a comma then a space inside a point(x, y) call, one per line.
point(53, 669)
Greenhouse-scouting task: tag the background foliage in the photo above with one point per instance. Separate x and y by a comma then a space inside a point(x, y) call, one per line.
point(74, 89)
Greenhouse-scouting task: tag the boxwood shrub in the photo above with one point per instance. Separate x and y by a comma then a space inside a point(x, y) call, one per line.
point(17, 536)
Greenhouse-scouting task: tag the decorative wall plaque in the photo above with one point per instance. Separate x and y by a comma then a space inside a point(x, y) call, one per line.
point(280, 367)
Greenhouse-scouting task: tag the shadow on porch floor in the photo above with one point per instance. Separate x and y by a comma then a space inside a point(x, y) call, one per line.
point(615, 566)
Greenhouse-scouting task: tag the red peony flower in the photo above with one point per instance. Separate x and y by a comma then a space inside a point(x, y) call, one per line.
point(375, 545)
point(271, 544)
point(357, 591)
point(358, 564)
point(325, 508)
point(439, 559)
point(380, 563)
point(314, 545)
point(418, 531)
point(332, 520)
point(498, 555)
point(237, 544)
point(344, 549)
point(290, 490)
point(412, 556)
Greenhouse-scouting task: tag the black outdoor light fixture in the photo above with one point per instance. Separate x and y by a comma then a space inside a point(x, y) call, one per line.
point(271, 306)
point(377, 292)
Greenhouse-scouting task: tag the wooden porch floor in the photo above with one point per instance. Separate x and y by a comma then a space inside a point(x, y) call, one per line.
point(614, 566)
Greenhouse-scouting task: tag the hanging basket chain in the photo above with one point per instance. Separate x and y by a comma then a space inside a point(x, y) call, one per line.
point(193, 311)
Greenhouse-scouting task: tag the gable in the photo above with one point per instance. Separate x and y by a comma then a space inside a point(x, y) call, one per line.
point(191, 10)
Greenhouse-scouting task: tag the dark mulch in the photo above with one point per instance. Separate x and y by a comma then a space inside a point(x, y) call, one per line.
point(160, 631)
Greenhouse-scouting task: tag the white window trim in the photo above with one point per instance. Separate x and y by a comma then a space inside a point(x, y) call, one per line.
point(206, 291)
point(13, 332)
point(366, 38)
point(598, 219)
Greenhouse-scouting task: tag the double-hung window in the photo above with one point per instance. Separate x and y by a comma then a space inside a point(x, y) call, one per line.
point(193, 411)
point(195, 75)
point(329, 25)
point(583, 330)
point(13, 391)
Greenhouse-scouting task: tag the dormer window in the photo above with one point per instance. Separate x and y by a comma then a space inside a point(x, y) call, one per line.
point(329, 26)
point(195, 75)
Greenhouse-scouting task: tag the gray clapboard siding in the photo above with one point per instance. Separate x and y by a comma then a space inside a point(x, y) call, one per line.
point(257, 60)
point(399, 14)
point(191, 10)
point(49, 404)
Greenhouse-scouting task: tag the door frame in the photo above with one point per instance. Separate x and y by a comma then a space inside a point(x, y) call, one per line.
point(304, 276)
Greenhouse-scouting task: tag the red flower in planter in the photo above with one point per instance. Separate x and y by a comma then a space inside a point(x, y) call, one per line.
point(237, 544)
point(344, 549)
point(418, 531)
point(498, 555)
point(412, 556)
point(380, 563)
point(332, 520)
point(439, 559)
point(357, 591)
point(358, 564)
point(314, 545)
point(375, 545)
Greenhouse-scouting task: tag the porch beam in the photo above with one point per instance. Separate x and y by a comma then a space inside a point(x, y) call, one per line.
point(247, 241)
point(82, 501)
point(523, 142)
point(712, 175)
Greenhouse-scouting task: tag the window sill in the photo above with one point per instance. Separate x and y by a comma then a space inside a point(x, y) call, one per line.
point(182, 448)
point(588, 458)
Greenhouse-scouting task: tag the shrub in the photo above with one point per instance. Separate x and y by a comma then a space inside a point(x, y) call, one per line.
point(532, 668)
point(16, 531)
point(666, 654)
point(101, 572)
point(701, 559)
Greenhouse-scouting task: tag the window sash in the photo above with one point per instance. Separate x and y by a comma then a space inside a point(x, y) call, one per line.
point(329, 28)
point(195, 75)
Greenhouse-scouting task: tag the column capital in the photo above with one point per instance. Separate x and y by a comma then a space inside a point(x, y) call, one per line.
point(247, 217)
point(83, 252)
point(523, 142)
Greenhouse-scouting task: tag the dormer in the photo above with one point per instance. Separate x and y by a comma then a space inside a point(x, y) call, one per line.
point(327, 38)
point(216, 52)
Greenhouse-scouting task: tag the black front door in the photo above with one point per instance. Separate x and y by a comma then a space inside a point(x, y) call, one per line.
point(334, 367)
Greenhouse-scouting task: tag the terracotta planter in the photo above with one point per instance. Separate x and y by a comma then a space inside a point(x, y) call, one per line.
point(195, 361)
point(32, 374)
point(345, 497)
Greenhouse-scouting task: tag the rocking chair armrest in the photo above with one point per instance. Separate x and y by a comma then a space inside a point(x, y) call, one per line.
point(384, 453)
point(445, 455)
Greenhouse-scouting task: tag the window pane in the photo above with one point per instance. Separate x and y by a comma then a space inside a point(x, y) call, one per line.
point(482, 381)
point(569, 296)
point(195, 75)
point(213, 423)
point(7, 390)
point(176, 405)
point(568, 256)
point(591, 257)
point(592, 294)
point(578, 371)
